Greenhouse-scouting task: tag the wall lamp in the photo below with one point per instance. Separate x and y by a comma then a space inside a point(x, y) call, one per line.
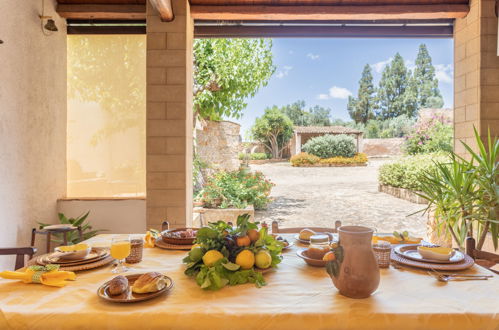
point(49, 22)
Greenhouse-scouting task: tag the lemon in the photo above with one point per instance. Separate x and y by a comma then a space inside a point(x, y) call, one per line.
point(245, 259)
point(73, 248)
point(211, 257)
point(196, 254)
point(263, 259)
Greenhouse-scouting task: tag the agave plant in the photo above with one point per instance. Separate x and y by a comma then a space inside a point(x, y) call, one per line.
point(463, 194)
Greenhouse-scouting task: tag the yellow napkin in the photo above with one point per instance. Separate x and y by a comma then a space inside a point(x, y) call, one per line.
point(47, 275)
point(150, 238)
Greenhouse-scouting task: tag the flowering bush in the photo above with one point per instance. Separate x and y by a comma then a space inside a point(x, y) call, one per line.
point(327, 146)
point(307, 159)
point(431, 133)
point(236, 189)
point(358, 158)
point(304, 158)
point(407, 171)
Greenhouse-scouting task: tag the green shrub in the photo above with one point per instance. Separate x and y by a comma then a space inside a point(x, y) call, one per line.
point(236, 189)
point(407, 171)
point(254, 156)
point(327, 146)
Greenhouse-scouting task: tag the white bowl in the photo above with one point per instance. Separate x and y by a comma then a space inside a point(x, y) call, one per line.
point(428, 254)
point(75, 255)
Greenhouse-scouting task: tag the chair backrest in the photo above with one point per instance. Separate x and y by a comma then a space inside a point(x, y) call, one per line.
point(483, 258)
point(276, 229)
point(19, 252)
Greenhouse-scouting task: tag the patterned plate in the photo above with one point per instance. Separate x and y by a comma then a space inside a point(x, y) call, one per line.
point(464, 264)
point(95, 255)
point(411, 252)
point(167, 246)
point(129, 296)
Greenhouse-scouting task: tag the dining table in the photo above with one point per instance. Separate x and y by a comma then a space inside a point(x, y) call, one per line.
point(296, 296)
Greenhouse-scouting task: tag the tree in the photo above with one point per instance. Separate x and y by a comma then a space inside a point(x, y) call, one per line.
point(394, 96)
point(316, 116)
point(274, 129)
point(424, 83)
point(296, 112)
point(361, 109)
point(226, 72)
point(320, 116)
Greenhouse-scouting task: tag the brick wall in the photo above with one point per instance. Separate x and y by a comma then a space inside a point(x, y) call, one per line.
point(169, 117)
point(476, 74)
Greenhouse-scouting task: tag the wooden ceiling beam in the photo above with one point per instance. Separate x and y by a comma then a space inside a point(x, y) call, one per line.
point(164, 8)
point(223, 31)
point(78, 11)
point(381, 12)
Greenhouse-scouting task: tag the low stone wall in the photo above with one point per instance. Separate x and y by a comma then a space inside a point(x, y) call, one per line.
point(402, 193)
point(383, 147)
point(331, 165)
point(265, 161)
point(227, 215)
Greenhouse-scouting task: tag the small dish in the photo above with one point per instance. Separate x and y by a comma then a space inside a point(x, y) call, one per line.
point(72, 255)
point(438, 253)
point(173, 236)
point(129, 296)
point(312, 262)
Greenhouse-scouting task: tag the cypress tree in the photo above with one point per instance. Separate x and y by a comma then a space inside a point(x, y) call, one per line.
point(361, 109)
point(394, 96)
point(424, 83)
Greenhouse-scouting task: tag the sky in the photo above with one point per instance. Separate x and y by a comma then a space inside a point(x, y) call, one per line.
point(326, 71)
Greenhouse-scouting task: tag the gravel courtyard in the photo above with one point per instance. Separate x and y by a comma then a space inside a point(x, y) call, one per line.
point(318, 196)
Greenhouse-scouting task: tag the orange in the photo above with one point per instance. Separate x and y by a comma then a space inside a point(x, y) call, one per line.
point(254, 235)
point(329, 256)
point(243, 241)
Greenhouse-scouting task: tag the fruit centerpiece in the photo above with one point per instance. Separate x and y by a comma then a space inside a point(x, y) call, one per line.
point(223, 255)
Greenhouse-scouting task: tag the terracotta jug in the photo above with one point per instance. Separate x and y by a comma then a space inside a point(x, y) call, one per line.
point(355, 272)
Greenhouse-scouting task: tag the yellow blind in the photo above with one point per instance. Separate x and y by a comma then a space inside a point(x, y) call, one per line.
point(106, 115)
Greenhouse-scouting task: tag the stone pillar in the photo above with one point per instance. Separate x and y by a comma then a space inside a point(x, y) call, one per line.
point(298, 144)
point(169, 117)
point(360, 141)
point(476, 74)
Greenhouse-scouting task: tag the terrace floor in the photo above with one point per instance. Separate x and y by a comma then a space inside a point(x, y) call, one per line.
point(318, 196)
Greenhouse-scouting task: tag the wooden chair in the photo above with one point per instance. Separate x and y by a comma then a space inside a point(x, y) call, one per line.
point(19, 252)
point(276, 229)
point(482, 258)
point(50, 232)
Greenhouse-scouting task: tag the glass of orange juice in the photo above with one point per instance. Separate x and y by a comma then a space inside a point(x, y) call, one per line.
point(120, 249)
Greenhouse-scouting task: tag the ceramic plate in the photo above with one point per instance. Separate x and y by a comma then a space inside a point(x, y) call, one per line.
point(61, 226)
point(94, 255)
point(303, 241)
point(312, 262)
point(290, 244)
point(411, 252)
point(129, 296)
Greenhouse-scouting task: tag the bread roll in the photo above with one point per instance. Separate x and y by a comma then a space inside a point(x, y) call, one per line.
point(149, 282)
point(118, 285)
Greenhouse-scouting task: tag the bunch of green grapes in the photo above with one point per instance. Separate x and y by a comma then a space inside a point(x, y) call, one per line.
point(213, 243)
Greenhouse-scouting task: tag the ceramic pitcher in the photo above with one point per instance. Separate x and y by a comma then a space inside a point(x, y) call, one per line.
point(354, 272)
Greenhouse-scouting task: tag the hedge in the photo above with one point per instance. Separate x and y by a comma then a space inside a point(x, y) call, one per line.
point(304, 159)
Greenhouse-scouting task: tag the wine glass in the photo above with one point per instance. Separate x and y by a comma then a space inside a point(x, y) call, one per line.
point(120, 249)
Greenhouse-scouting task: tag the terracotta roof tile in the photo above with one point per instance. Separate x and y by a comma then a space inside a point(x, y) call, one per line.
point(326, 129)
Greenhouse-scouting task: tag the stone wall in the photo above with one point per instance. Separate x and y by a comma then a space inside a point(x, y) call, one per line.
point(32, 122)
point(383, 147)
point(218, 143)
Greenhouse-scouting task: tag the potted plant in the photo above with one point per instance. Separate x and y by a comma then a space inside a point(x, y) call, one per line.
point(462, 194)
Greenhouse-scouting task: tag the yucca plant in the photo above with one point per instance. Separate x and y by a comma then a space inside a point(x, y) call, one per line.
point(463, 194)
point(486, 170)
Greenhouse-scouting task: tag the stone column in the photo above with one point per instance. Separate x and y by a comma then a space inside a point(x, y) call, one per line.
point(298, 143)
point(476, 74)
point(169, 117)
point(360, 142)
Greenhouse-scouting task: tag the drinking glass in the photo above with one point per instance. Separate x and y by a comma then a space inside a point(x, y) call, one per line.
point(120, 249)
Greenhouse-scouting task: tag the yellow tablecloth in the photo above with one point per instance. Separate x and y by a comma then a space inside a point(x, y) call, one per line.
point(297, 297)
